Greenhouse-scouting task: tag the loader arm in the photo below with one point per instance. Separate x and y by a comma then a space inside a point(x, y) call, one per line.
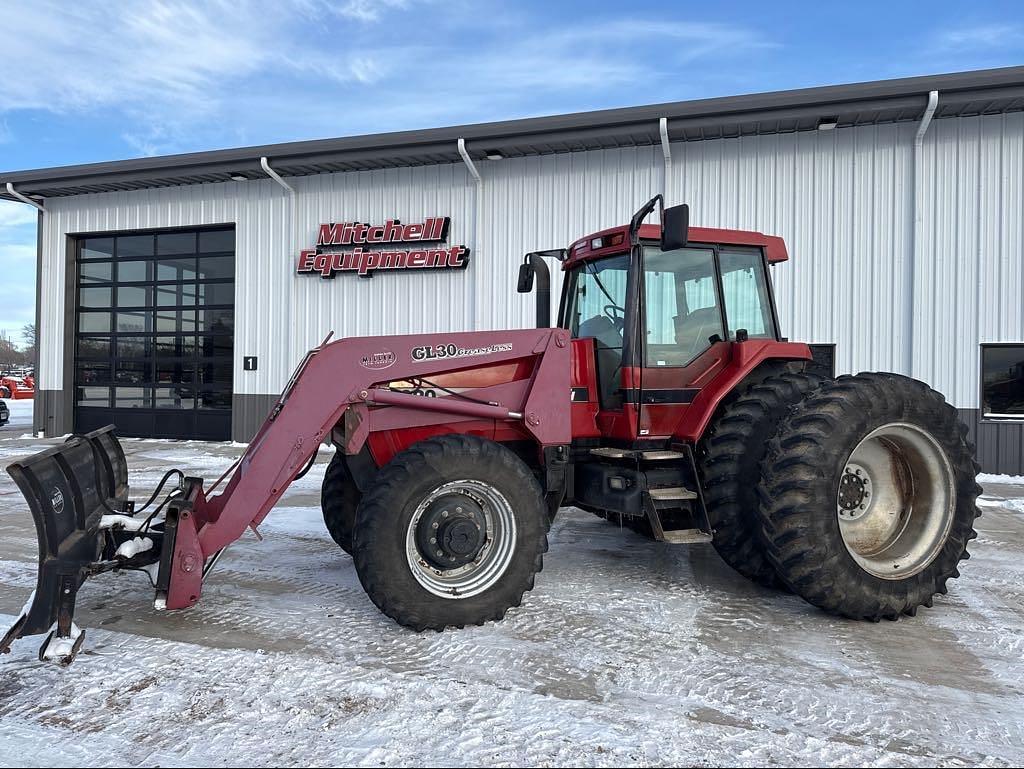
point(78, 491)
point(340, 382)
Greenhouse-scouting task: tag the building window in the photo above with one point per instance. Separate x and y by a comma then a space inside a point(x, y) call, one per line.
point(155, 333)
point(1002, 381)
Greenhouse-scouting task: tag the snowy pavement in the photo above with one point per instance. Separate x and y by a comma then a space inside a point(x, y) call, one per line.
point(20, 421)
point(628, 652)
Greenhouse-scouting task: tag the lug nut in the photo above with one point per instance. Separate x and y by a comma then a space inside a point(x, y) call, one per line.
point(444, 513)
point(433, 540)
point(439, 554)
point(458, 509)
point(434, 524)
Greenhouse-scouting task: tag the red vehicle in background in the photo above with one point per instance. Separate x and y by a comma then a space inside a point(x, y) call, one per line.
point(16, 387)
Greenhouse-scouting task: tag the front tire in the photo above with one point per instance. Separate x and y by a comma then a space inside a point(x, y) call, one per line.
point(339, 498)
point(868, 497)
point(451, 534)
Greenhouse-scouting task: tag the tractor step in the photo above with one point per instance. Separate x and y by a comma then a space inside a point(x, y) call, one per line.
point(673, 494)
point(653, 455)
point(686, 537)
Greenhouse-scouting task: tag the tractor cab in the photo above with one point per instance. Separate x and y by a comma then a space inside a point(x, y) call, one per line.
point(665, 321)
point(656, 313)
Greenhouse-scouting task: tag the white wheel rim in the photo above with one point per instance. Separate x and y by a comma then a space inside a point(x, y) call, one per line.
point(494, 557)
point(896, 500)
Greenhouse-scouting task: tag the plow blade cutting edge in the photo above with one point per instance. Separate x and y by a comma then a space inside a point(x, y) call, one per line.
point(77, 493)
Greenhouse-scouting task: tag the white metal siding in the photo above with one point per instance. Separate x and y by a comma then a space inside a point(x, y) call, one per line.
point(969, 287)
point(842, 199)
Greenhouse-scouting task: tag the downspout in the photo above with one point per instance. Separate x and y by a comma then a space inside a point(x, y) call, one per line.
point(477, 209)
point(276, 177)
point(38, 421)
point(292, 238)
point(916, 255)
point(15, 194)
point(666, 151)
point(37, 413)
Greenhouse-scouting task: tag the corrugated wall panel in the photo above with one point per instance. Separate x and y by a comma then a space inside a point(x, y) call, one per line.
point(841, 199)
point(969, 283)
point(547, 202)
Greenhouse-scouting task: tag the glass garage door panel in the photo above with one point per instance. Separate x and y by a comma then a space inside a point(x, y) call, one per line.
point(155, 330)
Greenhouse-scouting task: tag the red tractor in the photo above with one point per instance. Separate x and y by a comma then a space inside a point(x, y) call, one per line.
point(665, 399)
point(16, 387)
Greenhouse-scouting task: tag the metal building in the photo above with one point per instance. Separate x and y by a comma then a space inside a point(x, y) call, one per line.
point(171, 301)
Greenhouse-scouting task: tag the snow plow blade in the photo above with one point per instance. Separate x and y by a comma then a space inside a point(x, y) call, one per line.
point(69, 488)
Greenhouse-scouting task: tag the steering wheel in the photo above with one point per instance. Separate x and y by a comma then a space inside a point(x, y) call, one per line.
point(616, 314)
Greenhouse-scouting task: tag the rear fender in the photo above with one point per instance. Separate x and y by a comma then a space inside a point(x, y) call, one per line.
point(745, 358)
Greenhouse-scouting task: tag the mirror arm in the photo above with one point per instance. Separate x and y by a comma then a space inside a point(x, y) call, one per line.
point(543, 285)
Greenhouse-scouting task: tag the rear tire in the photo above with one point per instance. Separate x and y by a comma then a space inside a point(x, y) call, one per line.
point(869, 477)
point(494, 528)
point(733, 450)
point(339, 498)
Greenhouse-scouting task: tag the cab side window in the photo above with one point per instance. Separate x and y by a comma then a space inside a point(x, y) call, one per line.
point(745, 287)
point(682, 308)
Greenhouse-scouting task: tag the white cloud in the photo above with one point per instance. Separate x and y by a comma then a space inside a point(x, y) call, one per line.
point(15, 215)
point(160, 55)
point(17, 255)
point(983, 37)
point(183, 74)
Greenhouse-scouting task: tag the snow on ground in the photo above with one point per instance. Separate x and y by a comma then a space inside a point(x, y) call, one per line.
point(21, 416)
point(628, 652)
point(1014, 480)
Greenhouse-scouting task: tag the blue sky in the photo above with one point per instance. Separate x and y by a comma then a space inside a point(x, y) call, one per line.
point(101, 80)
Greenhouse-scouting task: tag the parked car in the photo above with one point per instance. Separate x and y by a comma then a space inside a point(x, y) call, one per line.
point(16, 388)
point(5, 413)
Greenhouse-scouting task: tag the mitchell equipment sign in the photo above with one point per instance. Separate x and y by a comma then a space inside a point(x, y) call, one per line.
point(327, 260)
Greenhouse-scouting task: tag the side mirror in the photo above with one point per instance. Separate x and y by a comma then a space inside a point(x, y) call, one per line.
point(675, 227)
point(526, 273)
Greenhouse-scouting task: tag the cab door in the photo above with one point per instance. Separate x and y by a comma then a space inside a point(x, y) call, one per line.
point(694, 301)
point(684, 340)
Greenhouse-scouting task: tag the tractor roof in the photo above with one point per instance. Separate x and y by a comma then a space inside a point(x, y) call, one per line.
point(615, 240)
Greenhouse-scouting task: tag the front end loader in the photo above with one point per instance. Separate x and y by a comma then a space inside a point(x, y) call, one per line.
point(664, 399)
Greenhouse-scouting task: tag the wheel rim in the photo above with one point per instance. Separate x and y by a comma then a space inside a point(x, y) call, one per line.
point(461, 539)
point(895, 501)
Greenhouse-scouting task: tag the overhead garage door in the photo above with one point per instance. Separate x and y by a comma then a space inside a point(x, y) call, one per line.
point(155, 333)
